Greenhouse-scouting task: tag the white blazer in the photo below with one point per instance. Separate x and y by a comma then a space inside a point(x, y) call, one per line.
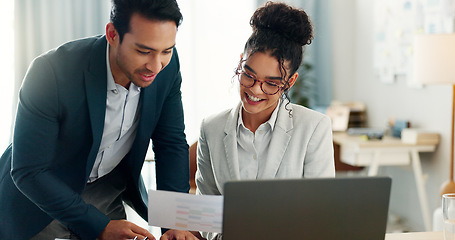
point(301, 146)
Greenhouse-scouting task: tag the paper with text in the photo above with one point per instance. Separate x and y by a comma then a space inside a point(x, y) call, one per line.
point(185, 211)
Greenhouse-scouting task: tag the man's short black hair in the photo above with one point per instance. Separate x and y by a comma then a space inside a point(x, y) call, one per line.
point(161, 10)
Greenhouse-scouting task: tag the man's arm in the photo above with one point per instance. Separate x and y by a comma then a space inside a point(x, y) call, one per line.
point(35, 144)
point(169, 140)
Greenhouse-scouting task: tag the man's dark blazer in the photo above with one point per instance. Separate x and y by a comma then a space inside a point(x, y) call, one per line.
point(57, 134)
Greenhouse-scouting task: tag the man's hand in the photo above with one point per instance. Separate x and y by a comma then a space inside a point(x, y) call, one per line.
point(198, 235)
point(178, 235)
point(122, 229)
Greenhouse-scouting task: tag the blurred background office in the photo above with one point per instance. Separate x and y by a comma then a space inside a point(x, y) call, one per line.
point(347, 61)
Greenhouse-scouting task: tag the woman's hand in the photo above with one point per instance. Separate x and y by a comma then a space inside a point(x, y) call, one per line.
point(178, 235)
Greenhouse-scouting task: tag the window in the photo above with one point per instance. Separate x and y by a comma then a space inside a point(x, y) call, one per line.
point(7, 70)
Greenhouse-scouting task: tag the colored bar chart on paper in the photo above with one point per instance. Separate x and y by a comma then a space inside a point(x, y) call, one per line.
point(185, 211)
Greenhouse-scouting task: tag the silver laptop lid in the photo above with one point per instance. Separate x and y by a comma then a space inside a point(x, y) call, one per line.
point(314, 209)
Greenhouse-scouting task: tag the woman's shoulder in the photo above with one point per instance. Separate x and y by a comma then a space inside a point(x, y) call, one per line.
point(216, 117)
point(219, 120)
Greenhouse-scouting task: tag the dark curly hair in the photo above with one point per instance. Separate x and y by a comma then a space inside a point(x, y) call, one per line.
point(281, 31)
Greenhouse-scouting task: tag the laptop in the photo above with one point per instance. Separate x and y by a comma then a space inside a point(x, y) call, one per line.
point(353, 208)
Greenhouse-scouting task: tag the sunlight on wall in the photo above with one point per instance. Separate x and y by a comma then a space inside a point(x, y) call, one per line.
point(7, 70)
point(210, 41)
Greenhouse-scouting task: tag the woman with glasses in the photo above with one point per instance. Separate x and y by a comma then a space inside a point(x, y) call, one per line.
point(266, 136)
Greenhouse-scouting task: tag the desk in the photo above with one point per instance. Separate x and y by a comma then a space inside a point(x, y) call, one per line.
point(415, 236)
point(386, 152)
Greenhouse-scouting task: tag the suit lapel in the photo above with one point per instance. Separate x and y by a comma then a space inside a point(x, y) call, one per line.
point(278, 143)
point(144, 130)
point(230, 144)
point(148, 107)
point(96, 89)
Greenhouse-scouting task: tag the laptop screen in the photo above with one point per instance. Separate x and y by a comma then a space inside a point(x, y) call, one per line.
point(316, 209)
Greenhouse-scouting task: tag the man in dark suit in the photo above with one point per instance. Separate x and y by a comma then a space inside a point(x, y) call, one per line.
point(87, 111)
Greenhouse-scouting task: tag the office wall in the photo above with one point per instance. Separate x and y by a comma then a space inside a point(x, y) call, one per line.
point(210, 41)
point(428, 107)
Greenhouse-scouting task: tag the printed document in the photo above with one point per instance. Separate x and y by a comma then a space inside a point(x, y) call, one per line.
point(185, 211)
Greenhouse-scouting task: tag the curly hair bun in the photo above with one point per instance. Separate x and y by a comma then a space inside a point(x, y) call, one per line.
point(291, 23)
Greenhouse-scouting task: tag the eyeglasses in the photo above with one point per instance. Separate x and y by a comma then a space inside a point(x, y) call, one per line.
point(268, 87)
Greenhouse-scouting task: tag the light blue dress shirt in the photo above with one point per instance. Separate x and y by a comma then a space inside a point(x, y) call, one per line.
point(120, 125)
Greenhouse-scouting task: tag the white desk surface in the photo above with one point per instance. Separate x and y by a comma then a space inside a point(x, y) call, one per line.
point(343, 138)
point(415, 236)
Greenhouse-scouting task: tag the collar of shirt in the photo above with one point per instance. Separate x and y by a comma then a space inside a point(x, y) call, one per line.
point(271, 122)
point(111, 85)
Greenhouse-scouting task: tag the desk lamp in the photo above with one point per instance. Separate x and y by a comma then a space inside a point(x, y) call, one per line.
point(434, 63)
